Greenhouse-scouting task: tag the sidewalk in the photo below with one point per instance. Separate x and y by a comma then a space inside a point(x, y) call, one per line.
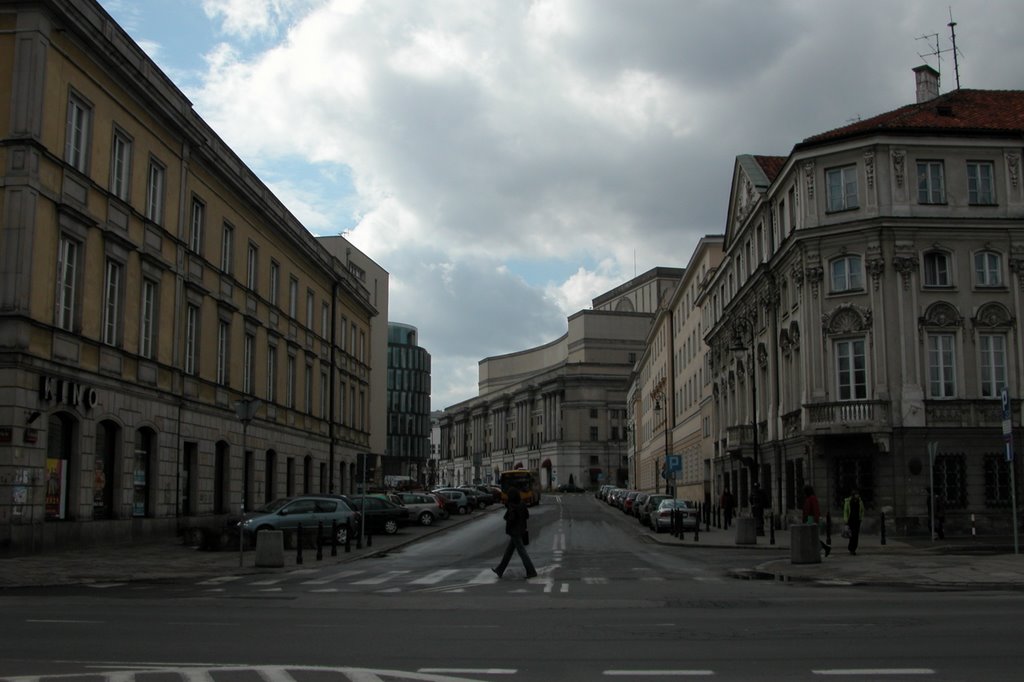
point(953, 563)
point(956, 563)
point(171, 560)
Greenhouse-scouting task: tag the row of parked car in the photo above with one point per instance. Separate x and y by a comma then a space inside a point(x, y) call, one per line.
point(381, 512)
point(650, 509)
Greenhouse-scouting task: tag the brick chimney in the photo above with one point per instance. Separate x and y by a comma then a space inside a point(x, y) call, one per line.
point(927, 83)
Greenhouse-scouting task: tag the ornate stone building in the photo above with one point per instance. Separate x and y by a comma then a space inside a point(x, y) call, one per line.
point(867, 314)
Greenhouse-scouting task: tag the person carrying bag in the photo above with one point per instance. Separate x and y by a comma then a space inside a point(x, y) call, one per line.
point(516, 515)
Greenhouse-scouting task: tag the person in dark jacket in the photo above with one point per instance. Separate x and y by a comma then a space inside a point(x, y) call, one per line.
point(516, 515)
point(853, 515)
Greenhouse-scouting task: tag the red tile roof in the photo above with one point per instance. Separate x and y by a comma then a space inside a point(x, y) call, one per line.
point(771, 165)
point(981, 112)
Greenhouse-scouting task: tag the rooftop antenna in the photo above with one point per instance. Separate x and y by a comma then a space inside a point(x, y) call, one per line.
point(956, 52)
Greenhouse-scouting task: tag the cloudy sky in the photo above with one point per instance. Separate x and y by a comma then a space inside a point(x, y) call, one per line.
point(508, 160)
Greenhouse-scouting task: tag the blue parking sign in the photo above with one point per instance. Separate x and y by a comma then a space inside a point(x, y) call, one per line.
point(675, 463)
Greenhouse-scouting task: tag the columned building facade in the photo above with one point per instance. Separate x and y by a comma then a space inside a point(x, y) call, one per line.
point(171, 348)
point(867, 315)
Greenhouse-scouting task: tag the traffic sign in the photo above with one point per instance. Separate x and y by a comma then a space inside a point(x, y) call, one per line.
point(675, 463)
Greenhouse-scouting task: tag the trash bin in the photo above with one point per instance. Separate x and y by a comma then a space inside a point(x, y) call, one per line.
point(746, 531)
point(270, 549)
point(804, 547)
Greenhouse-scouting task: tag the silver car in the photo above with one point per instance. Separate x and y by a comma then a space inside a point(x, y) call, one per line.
point(426, 508)
point(308, 511)
point(661, 518)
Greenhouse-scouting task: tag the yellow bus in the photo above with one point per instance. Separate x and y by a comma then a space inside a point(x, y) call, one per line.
point(525, 480)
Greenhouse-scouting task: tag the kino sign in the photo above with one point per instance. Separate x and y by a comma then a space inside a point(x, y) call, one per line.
point(52, 390)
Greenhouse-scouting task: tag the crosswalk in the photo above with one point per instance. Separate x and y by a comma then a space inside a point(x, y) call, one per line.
point(404, 580)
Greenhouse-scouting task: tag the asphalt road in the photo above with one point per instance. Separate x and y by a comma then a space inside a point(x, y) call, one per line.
point(607, 604)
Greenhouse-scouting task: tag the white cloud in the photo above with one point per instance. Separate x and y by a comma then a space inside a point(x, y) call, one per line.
point(484, 140)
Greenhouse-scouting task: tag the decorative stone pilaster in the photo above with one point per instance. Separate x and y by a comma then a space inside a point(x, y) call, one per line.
point(899, 165)
point(905, 266)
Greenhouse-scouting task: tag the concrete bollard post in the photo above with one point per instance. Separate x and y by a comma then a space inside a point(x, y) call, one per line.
point(334, 538)
point(881, 527)
point(319, 540)
point(298, 544)
point(348, 536)
point(804, 545)
point(270, 549)
point(772, 519)
point(746, 531)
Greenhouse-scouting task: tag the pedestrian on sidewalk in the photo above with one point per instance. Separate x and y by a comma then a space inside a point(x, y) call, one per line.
point(853, 514)
point(728, 504)
point(812, 514)
point(516, 515)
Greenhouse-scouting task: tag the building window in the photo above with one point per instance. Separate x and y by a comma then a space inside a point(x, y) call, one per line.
point(325, 320)
point(271, 374)
point(841, 186)
point(310, 307)
point(997, 481)
point(293, 297)
point(290, 378)
point(941, 366)
point(931, 186)
point(593, 433)
point(77, 150)
point(121, 166)
point(851, 369)
point(155, 193)
point(988, 271)
point(937, 269)
point(251, 260)
point(227, 248)
point(112, 303)
point(195, 241)
point(992, 348)
point(223, 341)
point(323, 394)
point(148, 318)
point(950, 480)
point(308, 386)
point(67, 283)
point(980, 188)
point(275, 282)
point(248, 362)
point(847, 274)
point(191, 339)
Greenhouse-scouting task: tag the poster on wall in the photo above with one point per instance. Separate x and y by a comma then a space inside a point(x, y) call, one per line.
point(56, 488)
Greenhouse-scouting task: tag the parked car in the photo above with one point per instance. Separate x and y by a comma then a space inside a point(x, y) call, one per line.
point(479, 498)
point(602, 492)
point(637, 503)
point(661, 518)
point(649, 505)
point(426, 508)
point(627, 501)
point(288, 513)
point(455, 501)
point(380, 515)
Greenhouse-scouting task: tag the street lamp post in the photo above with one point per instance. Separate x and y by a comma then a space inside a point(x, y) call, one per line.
point(245, 410)
point(739, 344)
point(658, 397)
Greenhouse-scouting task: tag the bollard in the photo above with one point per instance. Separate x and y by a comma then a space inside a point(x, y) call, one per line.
point(974, 530)
point(771, 517)
point(334, 538)
point(718, 517)
point(682, 526)
point(696, 531)
point(298, 544)
point(881, 528)
point(828, 528)
point(348, 536)
point(707, 520)
point(369, 535)
point(319, 540)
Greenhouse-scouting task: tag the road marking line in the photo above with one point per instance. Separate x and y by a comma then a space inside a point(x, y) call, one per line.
point(435, 577)
point(661, 673)
point(875, 671)
point(219, 580)
point(332, 578)
point(468, 671)
point(57, 620)
point(565, 587)
point(383, 578)
point(271, 581)
point(484, 577)
point(589, 580)
point(325, 590)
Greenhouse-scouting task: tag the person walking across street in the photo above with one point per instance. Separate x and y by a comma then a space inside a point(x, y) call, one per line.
point(516, 515)
point(727, 503)
point(812, 514)
point(853, 514)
